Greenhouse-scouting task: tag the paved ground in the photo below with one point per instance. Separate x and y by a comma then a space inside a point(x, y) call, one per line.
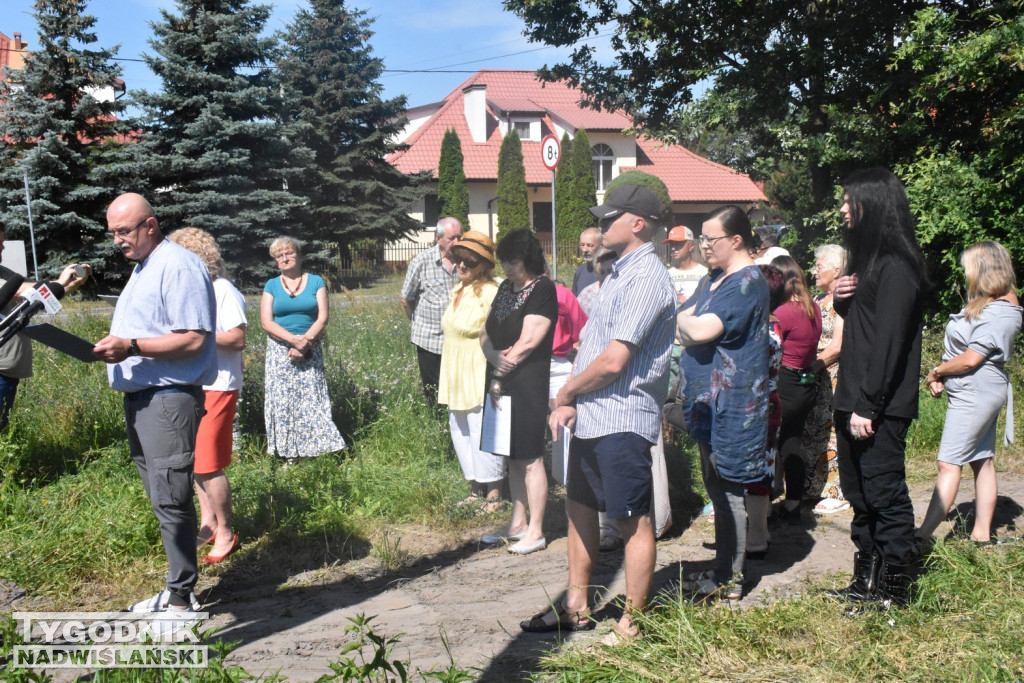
point(475, 597)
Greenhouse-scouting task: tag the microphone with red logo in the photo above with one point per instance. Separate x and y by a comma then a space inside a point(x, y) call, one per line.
point(42, 295)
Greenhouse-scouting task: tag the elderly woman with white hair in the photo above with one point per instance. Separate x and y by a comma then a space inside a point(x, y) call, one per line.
point(819, 431)
point(294, 311)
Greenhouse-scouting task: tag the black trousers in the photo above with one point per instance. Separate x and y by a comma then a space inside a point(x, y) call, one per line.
point(797, 402)
point(430, 373)
point(874, 479)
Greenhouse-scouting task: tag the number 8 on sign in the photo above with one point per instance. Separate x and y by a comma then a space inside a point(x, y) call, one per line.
point(550, 152)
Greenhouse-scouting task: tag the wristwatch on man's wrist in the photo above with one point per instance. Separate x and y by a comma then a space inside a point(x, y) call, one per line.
point(133, 348)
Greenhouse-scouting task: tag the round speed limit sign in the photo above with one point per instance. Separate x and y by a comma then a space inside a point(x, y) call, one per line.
point(550, 151)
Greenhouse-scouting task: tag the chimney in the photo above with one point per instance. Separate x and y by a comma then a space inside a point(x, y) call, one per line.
point(18, 45)
point(474, 99)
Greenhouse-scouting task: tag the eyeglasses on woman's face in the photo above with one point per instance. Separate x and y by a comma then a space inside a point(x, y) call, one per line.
point(469, 263)
point(710, 241)
point(285, 256)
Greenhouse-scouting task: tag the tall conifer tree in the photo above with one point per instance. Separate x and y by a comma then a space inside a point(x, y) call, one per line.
point(513, 206)
point(452, 192)
point(563, 180)
point(575, 211)
point(218, 156)
point(333, 107)
point(59, 122)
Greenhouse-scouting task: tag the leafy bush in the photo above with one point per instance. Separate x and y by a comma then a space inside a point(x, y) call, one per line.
point(653, 183)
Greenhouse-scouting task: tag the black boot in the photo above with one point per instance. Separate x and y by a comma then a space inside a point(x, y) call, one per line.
point(865, 580)
point(894, 585)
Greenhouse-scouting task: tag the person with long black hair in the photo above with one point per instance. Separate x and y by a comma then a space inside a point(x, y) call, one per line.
point(880, 301)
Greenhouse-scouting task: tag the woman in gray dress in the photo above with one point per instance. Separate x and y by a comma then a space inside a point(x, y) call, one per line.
point(978, 343)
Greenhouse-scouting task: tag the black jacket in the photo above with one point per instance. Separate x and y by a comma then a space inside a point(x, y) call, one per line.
point(880, 360)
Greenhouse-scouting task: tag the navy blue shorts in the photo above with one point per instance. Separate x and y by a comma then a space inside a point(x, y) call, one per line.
point(611, 474)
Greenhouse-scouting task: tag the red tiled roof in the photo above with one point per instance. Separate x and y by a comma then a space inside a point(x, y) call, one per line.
point(692, 178)
point(521, 91)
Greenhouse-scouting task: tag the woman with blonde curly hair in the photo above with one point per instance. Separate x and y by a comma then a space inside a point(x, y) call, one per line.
point(214, 439)
point(978, 343)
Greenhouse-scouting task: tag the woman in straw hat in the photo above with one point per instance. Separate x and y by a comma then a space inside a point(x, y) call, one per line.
point(464, 367)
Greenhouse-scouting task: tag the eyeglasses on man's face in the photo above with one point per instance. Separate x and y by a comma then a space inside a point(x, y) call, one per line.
point(123, 234)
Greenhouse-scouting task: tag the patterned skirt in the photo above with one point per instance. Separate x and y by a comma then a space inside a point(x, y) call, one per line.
point(296, 405)
point(820, 451)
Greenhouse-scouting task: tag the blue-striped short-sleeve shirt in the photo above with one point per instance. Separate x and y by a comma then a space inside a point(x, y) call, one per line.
point(635, 305)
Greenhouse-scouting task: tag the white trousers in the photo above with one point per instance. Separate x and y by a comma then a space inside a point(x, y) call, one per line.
point(477, 465)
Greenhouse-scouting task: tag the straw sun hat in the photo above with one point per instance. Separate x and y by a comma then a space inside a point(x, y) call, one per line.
point(478, 243)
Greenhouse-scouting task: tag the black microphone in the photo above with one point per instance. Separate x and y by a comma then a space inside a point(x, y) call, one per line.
point(12, 283)
point(32, 303)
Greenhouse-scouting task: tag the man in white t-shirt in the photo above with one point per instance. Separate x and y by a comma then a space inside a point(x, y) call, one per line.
point(685, 271)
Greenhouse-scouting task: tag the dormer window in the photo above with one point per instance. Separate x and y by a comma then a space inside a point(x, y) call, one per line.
point(527, 129)
point(601, 158)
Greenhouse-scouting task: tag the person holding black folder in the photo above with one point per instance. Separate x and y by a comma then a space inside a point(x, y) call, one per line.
point(159, 354)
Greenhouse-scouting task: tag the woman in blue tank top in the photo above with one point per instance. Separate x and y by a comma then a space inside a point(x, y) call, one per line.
point(294, 312)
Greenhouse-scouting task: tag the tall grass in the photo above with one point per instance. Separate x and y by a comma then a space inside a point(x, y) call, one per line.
point(77, 525)
point(77, 530)
point(964, 625)
point(65, 413)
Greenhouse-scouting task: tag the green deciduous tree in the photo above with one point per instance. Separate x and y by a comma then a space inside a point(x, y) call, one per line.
point(782, 66)
point(332, 106)
point(452, 192)
point(513, 207)
point(60, 126)
point(931, 88)
point(217, 155)
point(964, 116)
point(574, 207)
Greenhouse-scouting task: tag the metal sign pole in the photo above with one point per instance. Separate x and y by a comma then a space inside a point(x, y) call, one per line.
point(31, 230)
point(554, 233)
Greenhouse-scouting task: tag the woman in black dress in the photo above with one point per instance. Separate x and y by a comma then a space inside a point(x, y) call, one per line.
point(516, 340)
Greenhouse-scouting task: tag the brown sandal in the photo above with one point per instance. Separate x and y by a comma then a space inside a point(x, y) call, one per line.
point(558, 618)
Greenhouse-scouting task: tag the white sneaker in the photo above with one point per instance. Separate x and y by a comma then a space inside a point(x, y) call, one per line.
point(830, 506)
point(161, 629)
point(703, 585)
point(161, 601)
